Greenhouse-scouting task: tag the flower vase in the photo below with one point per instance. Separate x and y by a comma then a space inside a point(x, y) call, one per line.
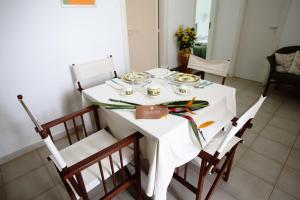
point(184, 55)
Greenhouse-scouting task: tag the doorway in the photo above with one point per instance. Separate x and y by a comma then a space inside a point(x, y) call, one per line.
point(142, 24)
point(204, 22)
point(263, 21)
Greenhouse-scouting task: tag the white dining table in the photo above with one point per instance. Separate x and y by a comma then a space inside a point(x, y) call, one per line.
point(169, 142)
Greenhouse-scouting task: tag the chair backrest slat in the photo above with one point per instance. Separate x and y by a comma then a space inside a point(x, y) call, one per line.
point(122, 166)
point(68, 133)
point(83, 126)
point(248, 115)
point(75, 129)
point(217, 67)
point(81, 185)
point(112, 170)
point(102, 176)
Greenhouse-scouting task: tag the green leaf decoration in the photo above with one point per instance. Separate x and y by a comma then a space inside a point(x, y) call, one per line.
point(175, 107)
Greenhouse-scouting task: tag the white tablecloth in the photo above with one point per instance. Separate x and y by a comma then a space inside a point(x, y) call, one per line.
point(170, 142)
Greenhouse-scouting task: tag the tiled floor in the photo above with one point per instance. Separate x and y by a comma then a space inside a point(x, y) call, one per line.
point(266, 166)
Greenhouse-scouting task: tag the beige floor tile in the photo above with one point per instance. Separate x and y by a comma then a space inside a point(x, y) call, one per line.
point(2, 194)
point(294, 160)
point(52, 194)
point(53, 173)
point(261, 166)
point(21, 166)
point(241, 150)
point(279, 135)
point(292, 105)
point(246, 100)
point(241, 108)
point(297, 143)
point(248, 138)
point(263, 116)
point(62, 191)
point(289, 182)
point(245, 186)
point(275, 95)
point(271, 105)
point(280, 195)
point(240, 84)
point(177, 191)
point(212, 77)
point(231, 80)
point(288, 113)
point(258, 125)
point(1, 179)
point(237, 86)
point(253, 91)
point(271, 149)
point(30, 185)
point(126, 195)
point(289, 125)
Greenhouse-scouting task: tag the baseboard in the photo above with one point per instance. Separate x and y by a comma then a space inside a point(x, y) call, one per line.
point(28, 149)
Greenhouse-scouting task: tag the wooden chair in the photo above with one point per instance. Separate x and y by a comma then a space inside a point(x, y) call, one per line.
point(224, 144)
point(279, 77)
point(92, 160)
point(86, 71)
point(216, 67)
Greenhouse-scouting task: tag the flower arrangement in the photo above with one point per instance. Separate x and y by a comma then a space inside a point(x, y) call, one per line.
point(185, 37)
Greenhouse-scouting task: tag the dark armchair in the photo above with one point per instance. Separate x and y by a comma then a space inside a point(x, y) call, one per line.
point(279, 77)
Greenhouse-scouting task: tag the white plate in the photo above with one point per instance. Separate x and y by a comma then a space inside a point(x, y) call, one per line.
point(135, 77)
point(186, 78)
point(182, 94)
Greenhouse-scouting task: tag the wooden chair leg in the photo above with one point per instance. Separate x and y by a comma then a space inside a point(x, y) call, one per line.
point(217, 180)
point(267, 87)
point(202, 75)
point(201, 180)
point(137, 170)
point(223, 80)
point(229, 166)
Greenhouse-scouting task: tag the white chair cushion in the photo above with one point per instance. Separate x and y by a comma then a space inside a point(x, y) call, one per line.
point(89, 146)
point(213, 145)
point(285, 61)
point(92, 69)
point(295, 67)
point(217, 67)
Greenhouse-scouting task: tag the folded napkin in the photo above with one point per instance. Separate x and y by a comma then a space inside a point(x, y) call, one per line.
point(117, 83)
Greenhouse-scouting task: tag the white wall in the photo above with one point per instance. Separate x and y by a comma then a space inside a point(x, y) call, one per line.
point(179, 12)
point(291, 32)
point(39, 40)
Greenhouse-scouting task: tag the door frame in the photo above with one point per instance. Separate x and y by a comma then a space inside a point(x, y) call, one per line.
point(277, 37)
point(213, 21)
point(162, 32)
point(123, 16)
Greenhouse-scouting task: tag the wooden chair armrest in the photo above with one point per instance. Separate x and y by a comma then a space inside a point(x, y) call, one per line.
point(68, 117)
point(87, 162)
